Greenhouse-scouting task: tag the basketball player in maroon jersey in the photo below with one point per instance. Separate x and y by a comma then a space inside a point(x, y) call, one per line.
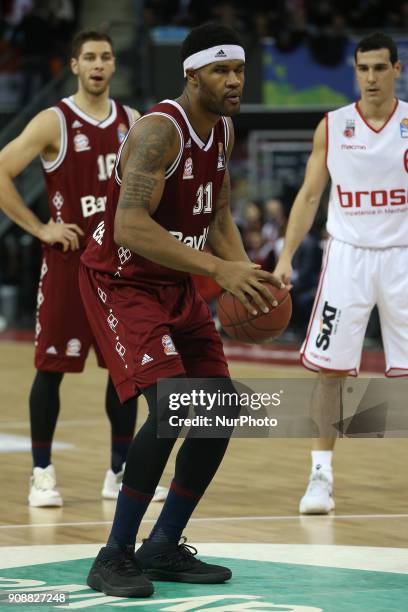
point(169, 194)
point(77, 140)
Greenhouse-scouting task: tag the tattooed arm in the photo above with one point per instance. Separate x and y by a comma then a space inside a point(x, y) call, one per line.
point(224, 237)
point(152, 146)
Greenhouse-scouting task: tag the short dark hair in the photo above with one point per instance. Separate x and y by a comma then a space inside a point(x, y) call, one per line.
point(375, 41)
point(86, 35)
point(206, 36)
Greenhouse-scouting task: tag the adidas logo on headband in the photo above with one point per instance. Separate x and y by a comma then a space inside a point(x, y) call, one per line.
point(208, 56)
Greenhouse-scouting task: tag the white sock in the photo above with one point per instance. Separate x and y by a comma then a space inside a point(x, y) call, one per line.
point(322, 461)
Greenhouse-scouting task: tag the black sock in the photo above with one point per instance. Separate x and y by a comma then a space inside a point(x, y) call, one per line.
point(122, 418)
point(176, 512)
point(197, 462)
point(145, 463)
point(44, 409)
point(130, 508)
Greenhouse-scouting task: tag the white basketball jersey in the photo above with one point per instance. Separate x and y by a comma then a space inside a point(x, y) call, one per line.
point(368, 204)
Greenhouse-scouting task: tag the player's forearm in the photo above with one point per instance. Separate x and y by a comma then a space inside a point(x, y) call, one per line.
point(12, 204)
point(225, 241)
point(300, 222)
point(150, 240)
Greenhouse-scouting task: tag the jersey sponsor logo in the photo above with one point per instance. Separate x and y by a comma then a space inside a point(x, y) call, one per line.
point(404, 128)
point(326, 326)
point(91, 205)
point(221, 157)
point(353, 147)
point(81, 143)
point(73, 348)
point(195, 242)
point(51, 350)
point(380, 197)
point(146, 359)
point(58, 200)
point(76, 124)
point(221, 53)
point(168, 346)
point(349, 130)
point(121, 132)
point(188, 169)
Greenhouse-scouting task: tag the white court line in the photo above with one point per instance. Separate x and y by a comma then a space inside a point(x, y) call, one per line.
point(232, 519)
point(323, 555)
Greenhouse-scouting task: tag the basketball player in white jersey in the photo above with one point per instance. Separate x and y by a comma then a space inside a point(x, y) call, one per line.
point(363, 149)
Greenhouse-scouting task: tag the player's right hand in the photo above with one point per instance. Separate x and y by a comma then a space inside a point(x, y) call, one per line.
point(284, 270)
point(246, 281)
point(66, 234)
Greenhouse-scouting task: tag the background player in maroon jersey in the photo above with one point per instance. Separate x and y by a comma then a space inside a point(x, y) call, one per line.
point(169, 193)
point(77, 141)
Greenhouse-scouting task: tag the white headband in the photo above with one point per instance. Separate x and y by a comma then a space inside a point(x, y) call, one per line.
point(213, 54)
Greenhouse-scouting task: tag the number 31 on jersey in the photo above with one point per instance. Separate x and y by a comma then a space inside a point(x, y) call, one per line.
point(204, 199)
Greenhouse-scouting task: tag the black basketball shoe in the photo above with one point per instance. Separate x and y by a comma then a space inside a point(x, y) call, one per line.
point(177, 563)
point(116, 572)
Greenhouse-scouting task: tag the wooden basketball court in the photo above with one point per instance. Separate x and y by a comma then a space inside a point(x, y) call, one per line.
point(254, 497)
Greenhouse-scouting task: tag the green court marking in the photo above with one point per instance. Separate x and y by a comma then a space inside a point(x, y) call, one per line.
point(256, 586)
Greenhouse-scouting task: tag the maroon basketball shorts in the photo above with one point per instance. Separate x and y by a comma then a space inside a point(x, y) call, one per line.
point(62, 332)
point(150, 332)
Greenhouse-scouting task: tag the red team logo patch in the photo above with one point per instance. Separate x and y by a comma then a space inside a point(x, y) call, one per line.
point(168, 346)
point(188, 169)
point(349, 130)
point(81, 143)
point(73, 348)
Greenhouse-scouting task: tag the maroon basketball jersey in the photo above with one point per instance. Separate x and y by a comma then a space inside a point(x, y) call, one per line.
point(77, 179)
point(193, 183)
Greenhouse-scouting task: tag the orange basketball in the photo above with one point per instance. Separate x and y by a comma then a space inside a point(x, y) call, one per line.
point(241, 325)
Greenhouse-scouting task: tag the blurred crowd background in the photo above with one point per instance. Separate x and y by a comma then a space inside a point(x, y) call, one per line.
point(34, 52)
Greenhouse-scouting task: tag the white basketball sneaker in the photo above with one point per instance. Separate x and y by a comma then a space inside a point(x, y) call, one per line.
point(112, 482)
point(43, 488)
point(160, 494)
point(318, 498)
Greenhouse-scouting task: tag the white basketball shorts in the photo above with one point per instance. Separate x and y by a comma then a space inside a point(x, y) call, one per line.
point(353, 280)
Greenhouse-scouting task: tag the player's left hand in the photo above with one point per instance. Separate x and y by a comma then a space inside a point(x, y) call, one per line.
point(246, 281)
point(66, 234)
